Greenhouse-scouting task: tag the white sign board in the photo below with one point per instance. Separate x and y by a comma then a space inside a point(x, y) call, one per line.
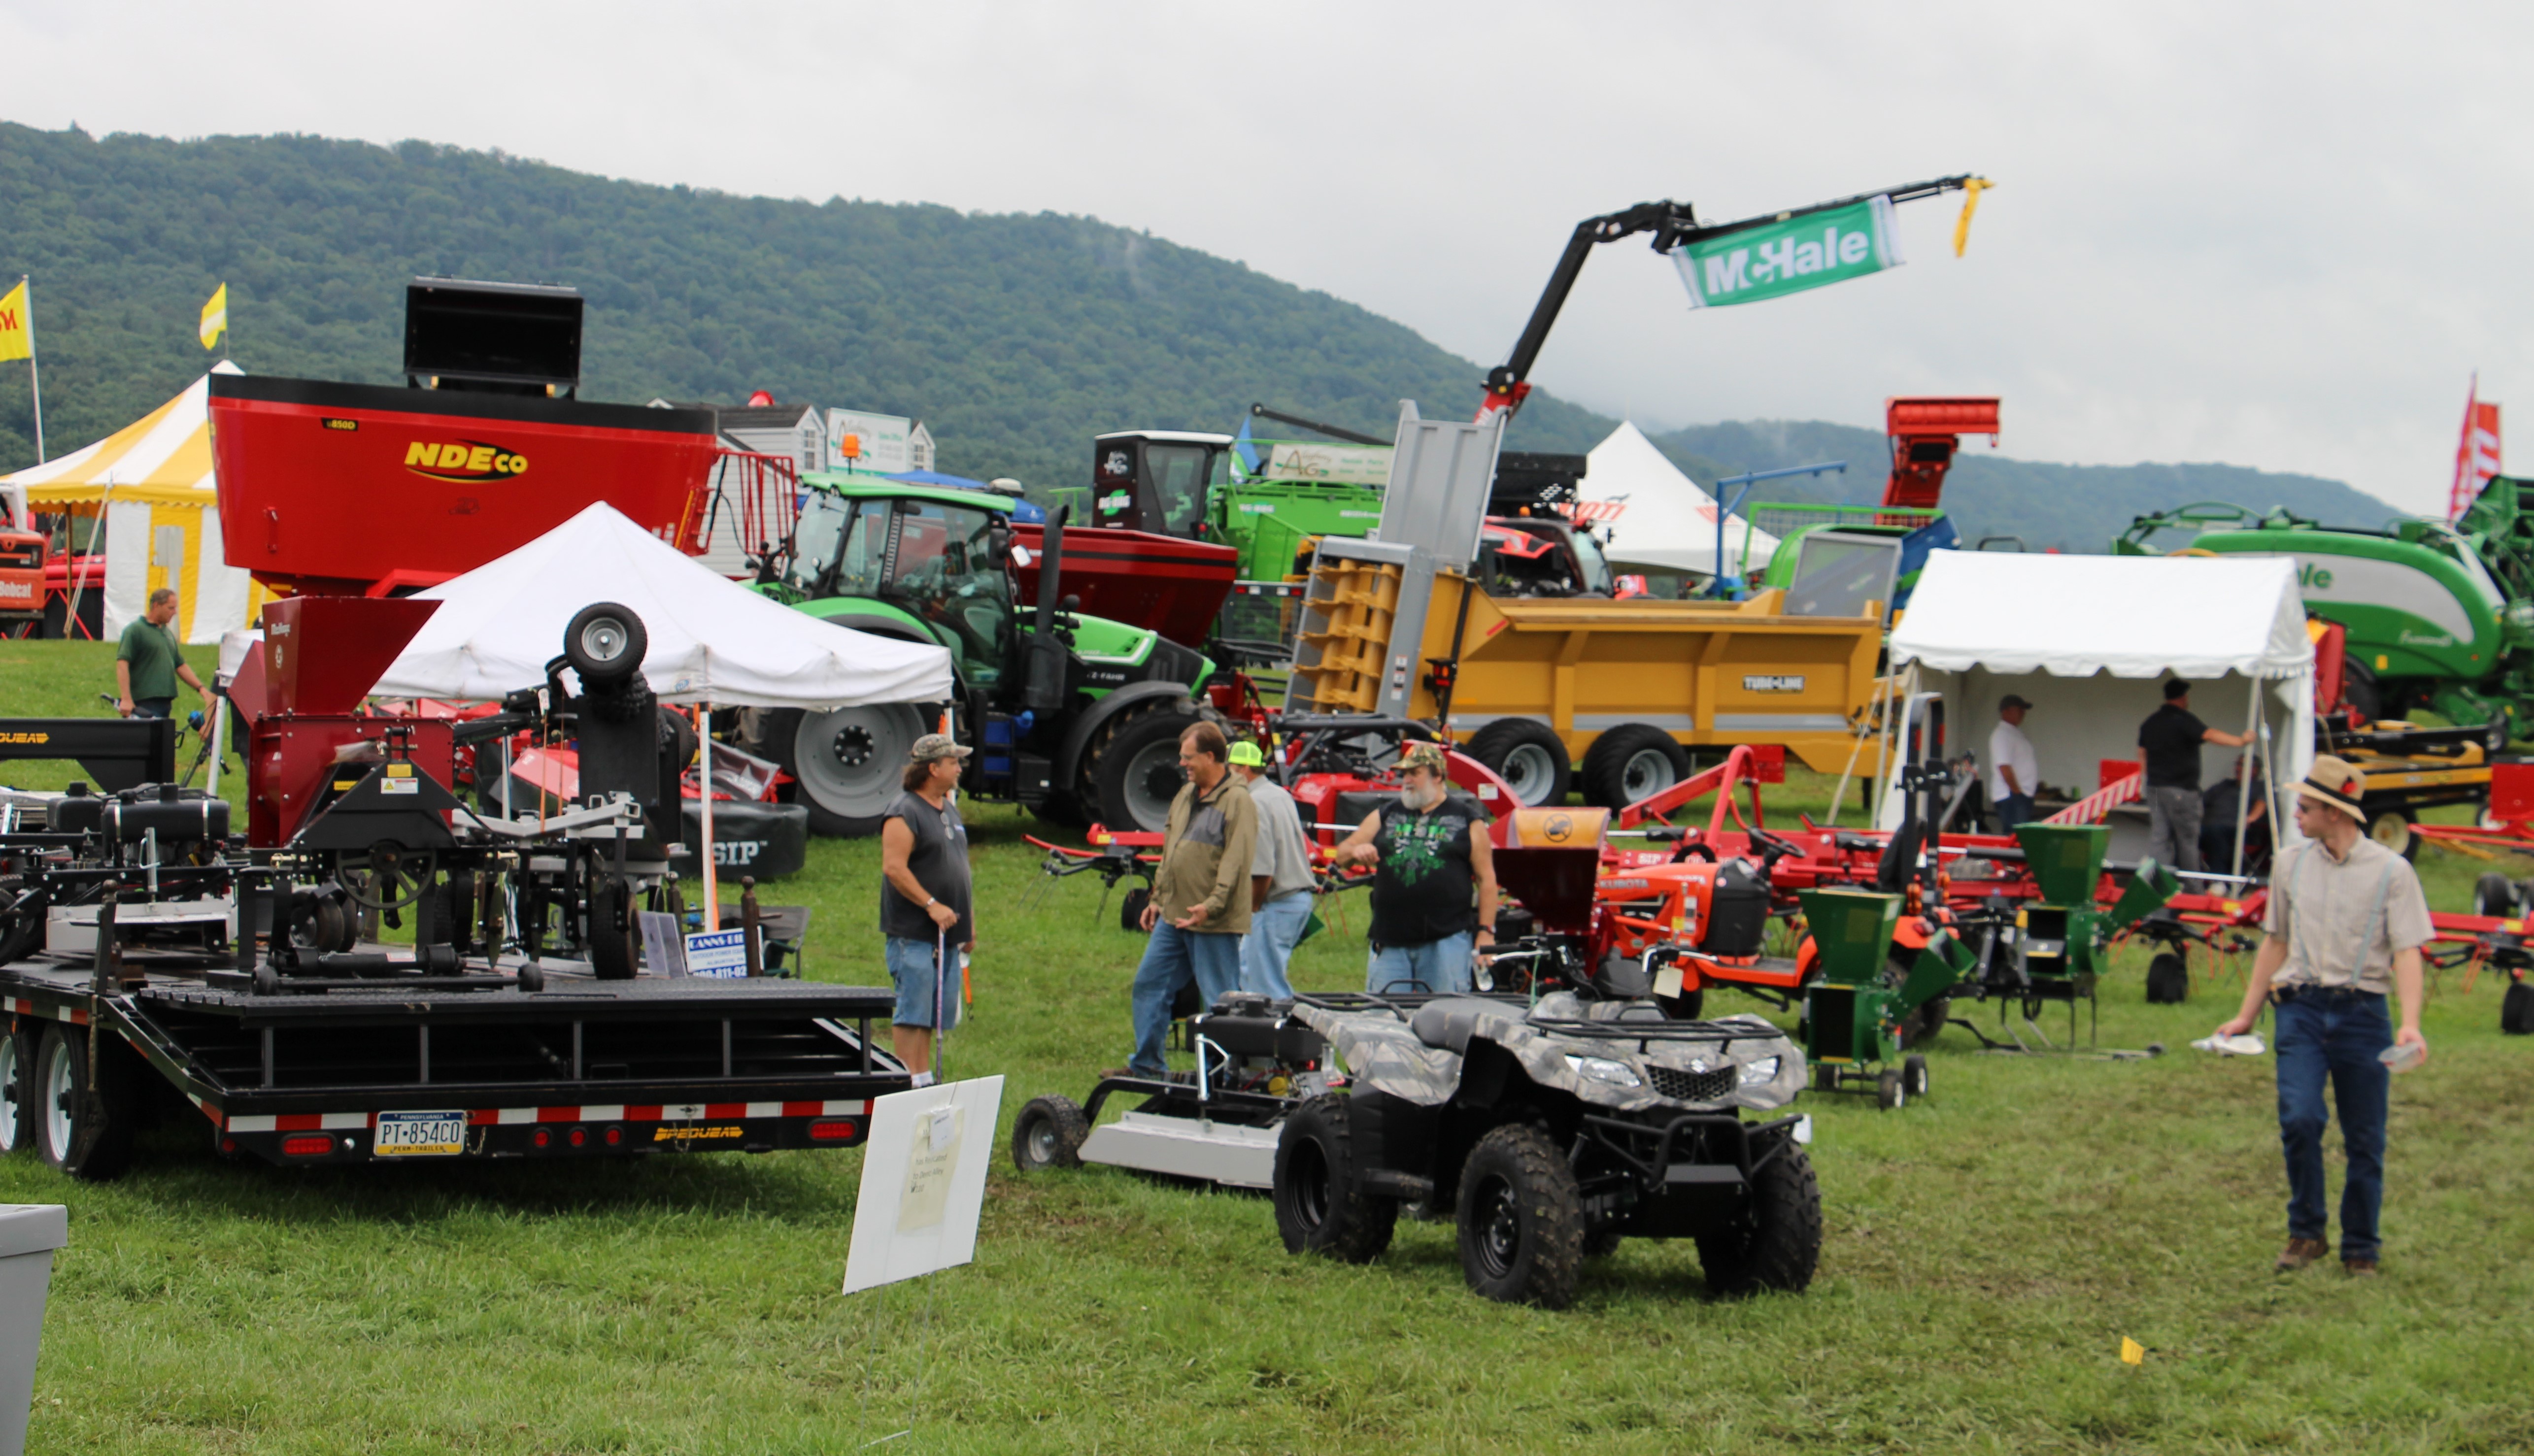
point(664, 949)
point(923, 1182)
point(1348, 465)
point(717, 953)
point(883, 442)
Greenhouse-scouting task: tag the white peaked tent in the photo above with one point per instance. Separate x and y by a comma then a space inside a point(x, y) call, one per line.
point(2087, 640)
point(1661, 518)
point(711, 640)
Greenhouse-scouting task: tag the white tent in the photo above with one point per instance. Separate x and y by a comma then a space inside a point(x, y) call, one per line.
point(711, 640)
point(1660, 518)
point(2085, 638)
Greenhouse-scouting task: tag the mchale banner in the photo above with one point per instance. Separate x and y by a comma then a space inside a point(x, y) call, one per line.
point(1781, 257)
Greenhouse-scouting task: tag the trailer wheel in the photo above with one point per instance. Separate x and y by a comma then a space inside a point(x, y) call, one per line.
point(2517, 1011)
point(847, 764)
point(2494, 894)
point(1531, 759)
point(1048, 1133)
point(605, 643)
point(1132, 767)
point(1890, 1093)
point(2392, 829)
point(1321, 1206)
point(1631, 762)
point(61, 1086)
point(1913, 1075)
point(1776, 1242)
point(1521, 1220)
point(1130, 910)
point(17, 1092)
point(610, 908)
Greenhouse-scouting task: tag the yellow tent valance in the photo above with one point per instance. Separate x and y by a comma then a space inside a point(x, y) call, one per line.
point(163, 458)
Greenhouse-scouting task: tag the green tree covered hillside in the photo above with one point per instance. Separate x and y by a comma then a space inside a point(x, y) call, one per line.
point(1015, 338)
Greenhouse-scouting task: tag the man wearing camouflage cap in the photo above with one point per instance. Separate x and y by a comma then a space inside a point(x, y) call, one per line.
point(924, 900)
point(2344, 926)
point(1430, 857)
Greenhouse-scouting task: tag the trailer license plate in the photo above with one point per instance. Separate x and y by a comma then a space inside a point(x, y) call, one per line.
point(421, 1134)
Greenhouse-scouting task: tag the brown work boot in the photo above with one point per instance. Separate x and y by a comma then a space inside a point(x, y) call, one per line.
point(2359, 1269)
point(2299, 1254)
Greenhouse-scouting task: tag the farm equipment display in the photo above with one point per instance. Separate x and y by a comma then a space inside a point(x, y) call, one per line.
point(1925, 433)
point(1074, 716)
point(1546, 1130)
point(24, 550)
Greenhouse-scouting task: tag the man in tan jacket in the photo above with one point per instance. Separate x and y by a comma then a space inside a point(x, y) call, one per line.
point(1201, 905)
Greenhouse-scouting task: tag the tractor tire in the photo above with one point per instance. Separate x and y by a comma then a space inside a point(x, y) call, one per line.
point(1131, 770)
point(1631, 762)
point(61, 1088)
point(1321, 1206)
point(848, 763)
point(1776, 1244)
point(1529, 758)
point(2494, 894)
point(2168, 980)
point(2392, 829)
point(1521, 1220)
point(1048, 1133)
point(16, 1090)
point(1924, 1022)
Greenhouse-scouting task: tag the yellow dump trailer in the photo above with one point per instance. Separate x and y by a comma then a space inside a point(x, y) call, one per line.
point(1700, 674)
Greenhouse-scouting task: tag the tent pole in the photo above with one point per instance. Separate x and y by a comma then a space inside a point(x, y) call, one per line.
point(219, 734)
point(2244, 781)
point(79, 569)
point(712, 882)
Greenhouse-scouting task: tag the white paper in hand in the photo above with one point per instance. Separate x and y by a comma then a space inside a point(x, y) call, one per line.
point(2245, 1045)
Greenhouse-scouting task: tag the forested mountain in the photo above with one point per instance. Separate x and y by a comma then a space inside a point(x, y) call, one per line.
point(1015, 338)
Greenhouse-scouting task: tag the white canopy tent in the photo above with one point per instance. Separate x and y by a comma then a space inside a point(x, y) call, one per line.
point(1660, 518)
point(712, 641)
point(2086, 639)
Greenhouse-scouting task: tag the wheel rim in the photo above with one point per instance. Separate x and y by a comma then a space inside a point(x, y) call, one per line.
point(1040, 1139)
point(10, 1111)
point(2391, 830)
point(56, 1108)
point(1529, 772)
point(1152, 780)
point(848, 761)
point(1496, 1227)
point(1646, 773)
point(1308, 1178)
point(604, 640)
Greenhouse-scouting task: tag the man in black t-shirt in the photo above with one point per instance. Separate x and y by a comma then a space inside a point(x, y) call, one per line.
point(2171, 737)
point(1430, 856)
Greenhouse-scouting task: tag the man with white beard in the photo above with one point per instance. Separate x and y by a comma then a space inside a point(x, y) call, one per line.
point(1430, 857)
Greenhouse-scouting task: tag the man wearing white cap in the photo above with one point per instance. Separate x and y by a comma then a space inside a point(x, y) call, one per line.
point(2344, 925)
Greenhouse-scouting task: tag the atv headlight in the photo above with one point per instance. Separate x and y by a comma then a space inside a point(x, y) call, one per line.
point(1603, 1070)
point(1761, 1072)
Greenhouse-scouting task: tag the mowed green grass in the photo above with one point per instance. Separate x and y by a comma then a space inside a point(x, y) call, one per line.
point(1987, 1249)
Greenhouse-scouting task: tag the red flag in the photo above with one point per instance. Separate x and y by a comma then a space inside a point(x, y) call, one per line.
point(2476, 454)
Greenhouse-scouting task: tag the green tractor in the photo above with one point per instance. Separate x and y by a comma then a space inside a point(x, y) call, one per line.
point(1076, 717)
point(2437, 616)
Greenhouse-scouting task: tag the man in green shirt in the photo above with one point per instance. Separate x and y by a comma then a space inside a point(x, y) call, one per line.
point(147, 666)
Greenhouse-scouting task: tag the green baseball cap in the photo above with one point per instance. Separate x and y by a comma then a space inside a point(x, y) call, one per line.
point(1247, 753)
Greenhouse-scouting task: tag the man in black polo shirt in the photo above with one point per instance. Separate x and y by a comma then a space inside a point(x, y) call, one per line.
point(2171, 736)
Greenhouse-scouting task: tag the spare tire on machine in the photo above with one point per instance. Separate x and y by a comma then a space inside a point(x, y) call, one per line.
point(1528, 756)
point(605, 643)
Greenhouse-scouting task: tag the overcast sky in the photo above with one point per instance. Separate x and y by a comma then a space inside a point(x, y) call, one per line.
point(2270, 235)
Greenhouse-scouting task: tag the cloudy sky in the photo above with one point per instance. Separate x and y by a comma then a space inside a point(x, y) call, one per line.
point(2270, 235)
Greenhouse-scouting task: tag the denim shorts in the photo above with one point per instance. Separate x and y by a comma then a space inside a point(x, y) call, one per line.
point(910, 970)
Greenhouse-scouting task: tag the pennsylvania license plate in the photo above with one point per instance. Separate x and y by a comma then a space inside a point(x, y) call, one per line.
point(421, 1134)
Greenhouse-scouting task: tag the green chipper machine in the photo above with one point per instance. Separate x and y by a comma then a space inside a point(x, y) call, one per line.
point(1881, 987)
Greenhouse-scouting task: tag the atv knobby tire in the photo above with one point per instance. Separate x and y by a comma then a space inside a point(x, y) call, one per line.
point(1778, 1242)
point(1048, 1133)
point(1321, 1206)
point(1521, 1220)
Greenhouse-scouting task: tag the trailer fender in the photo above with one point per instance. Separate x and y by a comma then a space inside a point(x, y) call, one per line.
point(1099, 715)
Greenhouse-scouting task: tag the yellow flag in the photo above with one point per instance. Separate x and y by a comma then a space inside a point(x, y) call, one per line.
point(2132, 1352)
point(1970, 205)
point(17, 341)
point(215, 314)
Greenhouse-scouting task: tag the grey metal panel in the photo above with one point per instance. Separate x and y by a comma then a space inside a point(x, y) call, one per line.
point(1602, 722)
point(1218, 1152)
point(1753, 722)
point(1441, 471)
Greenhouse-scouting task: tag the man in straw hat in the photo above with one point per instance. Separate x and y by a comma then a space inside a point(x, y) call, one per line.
point(2344, 926)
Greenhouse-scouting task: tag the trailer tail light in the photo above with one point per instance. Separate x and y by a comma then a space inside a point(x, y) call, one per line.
point(314, 1144)
point(831, 1131)
point(577, 1136)
point(540, 1138)
point(614, 1135)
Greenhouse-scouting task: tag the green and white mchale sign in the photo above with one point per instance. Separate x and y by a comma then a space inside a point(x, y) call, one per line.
point(1783, 257)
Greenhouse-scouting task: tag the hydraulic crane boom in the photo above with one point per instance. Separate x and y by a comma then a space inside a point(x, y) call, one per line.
point(1672, 224)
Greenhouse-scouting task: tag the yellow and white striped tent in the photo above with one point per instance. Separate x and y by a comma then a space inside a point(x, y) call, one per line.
point(152, 481)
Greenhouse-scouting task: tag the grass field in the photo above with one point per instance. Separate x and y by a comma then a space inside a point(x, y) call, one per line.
point(1987, 1251)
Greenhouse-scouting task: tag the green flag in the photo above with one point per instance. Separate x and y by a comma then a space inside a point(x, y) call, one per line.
point(1789, 256)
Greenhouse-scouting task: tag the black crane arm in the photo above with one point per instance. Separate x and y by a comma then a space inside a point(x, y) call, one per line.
point(1331, 430)
point(1672, 224)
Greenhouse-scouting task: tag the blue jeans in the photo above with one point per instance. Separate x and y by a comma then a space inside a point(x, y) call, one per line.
point(2334, 1034)
point(154, 707)
point(2014, 809)
point(911, 969)
point(1441, 966)
point(1174, 957)
point(1273, 929)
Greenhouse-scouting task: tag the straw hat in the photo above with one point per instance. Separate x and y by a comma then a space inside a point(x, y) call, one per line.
point(2334, 784)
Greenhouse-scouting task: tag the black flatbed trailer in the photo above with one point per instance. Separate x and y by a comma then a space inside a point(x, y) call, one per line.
point(355, 1070)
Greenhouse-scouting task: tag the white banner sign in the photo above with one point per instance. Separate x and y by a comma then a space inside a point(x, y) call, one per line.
point(923, 1182)
point(879, 444)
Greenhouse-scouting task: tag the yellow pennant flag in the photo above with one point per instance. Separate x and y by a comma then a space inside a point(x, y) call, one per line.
point(215, 314)
point(17, 338)
point(2132, 1352)
point(1970, 205)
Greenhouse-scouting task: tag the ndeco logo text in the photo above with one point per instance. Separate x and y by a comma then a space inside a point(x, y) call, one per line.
point(469, 460)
